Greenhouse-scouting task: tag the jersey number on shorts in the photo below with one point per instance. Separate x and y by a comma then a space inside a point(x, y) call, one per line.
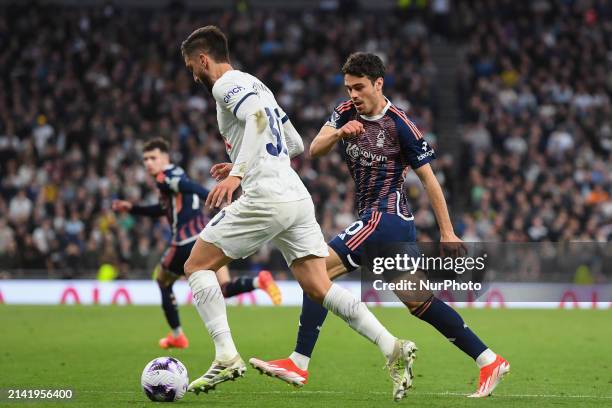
point(352, 229)
point(275, 127)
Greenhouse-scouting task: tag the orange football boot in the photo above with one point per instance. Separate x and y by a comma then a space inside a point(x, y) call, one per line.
point(490, 376)
point(268, 285)
point(170, 341)
point(284, 369)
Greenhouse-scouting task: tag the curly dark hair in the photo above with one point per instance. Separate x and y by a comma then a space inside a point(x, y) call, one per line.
point(364, 64)
point(156, 143)
point(209, 39)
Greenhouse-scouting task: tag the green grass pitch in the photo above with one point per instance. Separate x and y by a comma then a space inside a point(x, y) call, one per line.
point(559, 358)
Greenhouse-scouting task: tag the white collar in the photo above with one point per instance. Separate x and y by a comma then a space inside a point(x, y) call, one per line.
point(380, 115)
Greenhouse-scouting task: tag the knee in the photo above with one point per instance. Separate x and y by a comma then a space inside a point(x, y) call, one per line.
point(199, 263)
point(412, 305)
point(164, 283)
point(315, 292)
point(190, 266)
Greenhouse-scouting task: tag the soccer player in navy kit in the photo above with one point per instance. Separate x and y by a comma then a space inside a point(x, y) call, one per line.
point(378, 141)
point(180, 202)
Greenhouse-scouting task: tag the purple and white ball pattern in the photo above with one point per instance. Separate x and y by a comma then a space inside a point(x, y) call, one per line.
point(164, 379)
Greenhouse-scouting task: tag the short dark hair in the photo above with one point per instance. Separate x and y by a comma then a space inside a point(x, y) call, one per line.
point(156, 143)
point(364, 64)
point(209, 39)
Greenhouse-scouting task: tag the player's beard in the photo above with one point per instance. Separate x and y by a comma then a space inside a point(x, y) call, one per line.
point(206, 82)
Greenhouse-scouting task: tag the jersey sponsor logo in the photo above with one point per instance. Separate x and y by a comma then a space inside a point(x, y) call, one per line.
point(424, 155)
point(229, 94)
point(357, 152)
point(425, 147)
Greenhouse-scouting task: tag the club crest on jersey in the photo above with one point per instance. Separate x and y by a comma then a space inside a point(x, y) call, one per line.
point(380, 138)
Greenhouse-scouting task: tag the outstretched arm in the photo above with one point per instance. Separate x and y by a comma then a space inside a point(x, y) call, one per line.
point(187, 186)
point(438, 202)
point(155, 210)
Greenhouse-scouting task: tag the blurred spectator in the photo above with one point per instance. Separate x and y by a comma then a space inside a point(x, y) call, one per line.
point(20, 208)
point(537, 126)
point(80, 93)
point(7, 235)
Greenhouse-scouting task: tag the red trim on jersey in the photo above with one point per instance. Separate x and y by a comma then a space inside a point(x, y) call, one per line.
point(354, 242)
point(363, 230)
point(411, 125)
point(370, 232)
point(344, 107)
point(160, 177)
point(344, 104)
point(179, 203)
point(169, 255)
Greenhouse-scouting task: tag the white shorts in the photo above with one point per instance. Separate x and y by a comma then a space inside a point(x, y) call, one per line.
point(241, 228)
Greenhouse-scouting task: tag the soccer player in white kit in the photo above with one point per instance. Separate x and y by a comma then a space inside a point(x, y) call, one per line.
point(275, 206)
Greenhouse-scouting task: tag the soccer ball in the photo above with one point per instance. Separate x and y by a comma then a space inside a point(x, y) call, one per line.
point(164, 379)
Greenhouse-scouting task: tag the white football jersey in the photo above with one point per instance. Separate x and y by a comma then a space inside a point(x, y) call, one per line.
point(268, 177)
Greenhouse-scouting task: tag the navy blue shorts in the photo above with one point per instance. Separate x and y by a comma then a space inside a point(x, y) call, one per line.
point(174, 258)
point(373, 226)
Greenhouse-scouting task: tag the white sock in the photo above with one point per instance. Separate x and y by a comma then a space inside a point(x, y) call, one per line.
point(256, 282)
point(177, 332)
point(209, 302)
point(342, 303)
point(300, 360)
point(485, 358)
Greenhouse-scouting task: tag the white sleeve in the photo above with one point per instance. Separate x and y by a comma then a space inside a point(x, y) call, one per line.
point(254, 125)
point(238, 99)
point(295, 146)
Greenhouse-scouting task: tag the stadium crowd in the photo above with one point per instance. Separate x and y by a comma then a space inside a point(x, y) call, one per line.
point(537, 141)
point(82, 88)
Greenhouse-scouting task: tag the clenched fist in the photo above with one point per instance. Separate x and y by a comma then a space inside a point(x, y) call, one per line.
point(351, 129)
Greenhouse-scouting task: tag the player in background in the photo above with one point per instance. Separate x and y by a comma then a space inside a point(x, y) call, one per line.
point(275, 206)
point(179, 201)
point(378, 142)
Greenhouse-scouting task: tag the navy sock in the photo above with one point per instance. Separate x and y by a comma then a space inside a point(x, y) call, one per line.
point(237, 286)
point(448, 322)
point(312, 318)
point(170, 307)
